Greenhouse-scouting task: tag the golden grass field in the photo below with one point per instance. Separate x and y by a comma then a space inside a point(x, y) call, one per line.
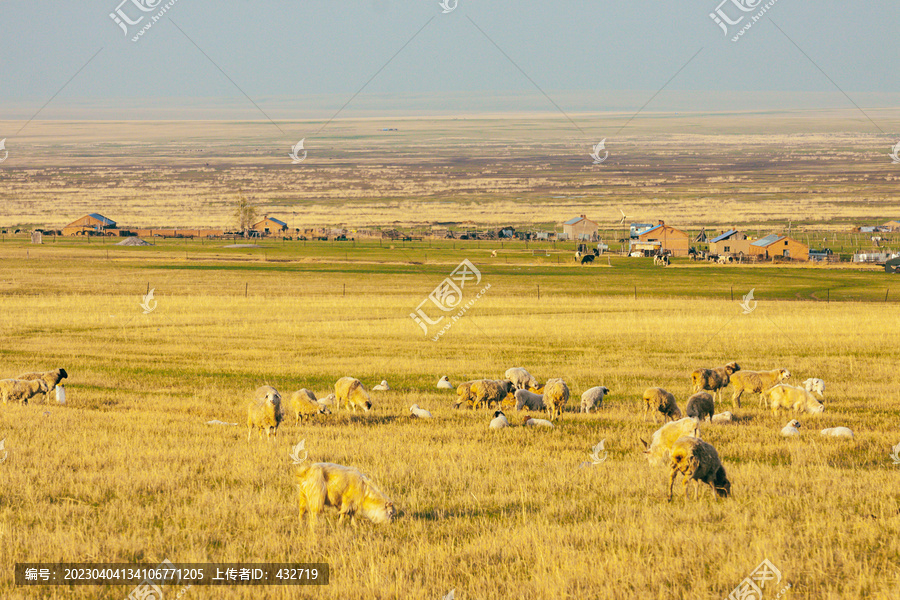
point(129, 471)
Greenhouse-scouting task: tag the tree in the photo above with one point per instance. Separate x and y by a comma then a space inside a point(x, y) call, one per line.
point(244, 215)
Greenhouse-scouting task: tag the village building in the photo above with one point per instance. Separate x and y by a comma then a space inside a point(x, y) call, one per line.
point(91, 224)
point(662, 239)
point(730, 243)
point(270, 226)
point(779, 246)
point(581, 229)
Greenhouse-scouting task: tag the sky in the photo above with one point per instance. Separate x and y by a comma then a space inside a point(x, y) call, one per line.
point(305, 58)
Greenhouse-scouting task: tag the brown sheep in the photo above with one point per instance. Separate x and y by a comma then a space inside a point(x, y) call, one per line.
point(488, 391)
point(713, 380)
point(658, 399)
point(21, 390)
point(303, 403)
point(756, 382)
point(698, 461)
point(51, 377)
point(556, 395)
point(701, 406)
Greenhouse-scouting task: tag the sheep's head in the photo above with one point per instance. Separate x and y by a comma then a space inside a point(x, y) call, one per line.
point(732, 367)
point(367, 406)
point(794, 423)
point(62, 373)
point(721, 484)
point(784, 374)
point(499, 413)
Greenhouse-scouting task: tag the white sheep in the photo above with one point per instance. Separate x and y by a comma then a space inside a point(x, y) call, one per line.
point(499, 421)
point(725, 417)
point(838, 432)
point(791, 429)
point(556, 394)
point(444, 383)
point(814, 385)
point(327, 400)
point(529, 422)
point(381, 387)
point(264, 412)
point(790, 397)
point(521, 378)
point(529, 400)
point(419, 412)
point(592, 399)
point(657, 451)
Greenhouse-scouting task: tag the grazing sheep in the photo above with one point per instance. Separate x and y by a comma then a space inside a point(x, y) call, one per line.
point(756, 382)
point(521, 378)
point(658, 399)
point(444, 383)
point(816, 386)
point(345, 488)
point(698, 461)
point(713, 380)
point(592, 399)
point(499, 421)
point(529, 400)
point(350, 392)
point(657, 451)
point(795, 398)
point(419, 412)
point(725, 417)
point(51, 377)
point(464, 395)
point(264, 412)
point(838, 432)
point(508, 402)
point(701, 406)
point(556, 395)
point(382, 387)
point(21, 390)
point(303, 403)
point(791, 429)
point(529, 422)
point(488, 391)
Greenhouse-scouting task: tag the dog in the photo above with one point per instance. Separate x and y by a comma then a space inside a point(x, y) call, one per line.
point(345, 488)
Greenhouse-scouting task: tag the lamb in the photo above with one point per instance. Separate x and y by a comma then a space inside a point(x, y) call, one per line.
point(51, 377)
point(381, 387)
point(815, 386)
point(529, 400)
point(444, 383)
point(556, 395)
point(488, 391)
point(421, 413)
point(657, 451)
point(795, 398)
point(791, 429)
point(701, 406)
point(303, 403)
point(345, 488)
point(838, 432)
point(327, 400)
point(521, 378)
point(21, 390)
point(499, 421)
point(350, 392)
point(658, 399)
point(264, 412)
point(713, 380)
point(592, 399)
point(698, 461)
point(756, 382)
point(725, 417)
point(529, 422)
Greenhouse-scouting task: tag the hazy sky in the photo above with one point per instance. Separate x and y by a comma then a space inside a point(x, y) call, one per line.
point(276, 51)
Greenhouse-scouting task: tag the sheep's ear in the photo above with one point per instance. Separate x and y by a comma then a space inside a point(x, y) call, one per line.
point(646, 445)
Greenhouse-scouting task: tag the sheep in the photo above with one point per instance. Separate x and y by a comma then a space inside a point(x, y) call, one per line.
point(556, 395)
point(529, 422)
point(529, 400)
point(816, 386)
point(444, 383)
point(21, 390)
point(795, 398)
point(488, 391)
point(499, 421)
point(303, 403)
point(698, 461)
point(592, 399)
point(658, 399)
point(791, 429)
point(657, 451)
point(725, 417)
point(756, 382)
point(51, 377)
point(327, 400)
point(381, 387)
point(838, 432)
point(417, 412)
point(713, 380)
point(701, 406)
point(351, 392)
point(521, 378)
point(264, 412)
point(464, 394)
point(508, 402)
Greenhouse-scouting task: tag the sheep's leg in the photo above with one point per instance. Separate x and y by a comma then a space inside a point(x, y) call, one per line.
point(672, 477)
point(696, 489)
point(736, 397)
point(249, 432)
